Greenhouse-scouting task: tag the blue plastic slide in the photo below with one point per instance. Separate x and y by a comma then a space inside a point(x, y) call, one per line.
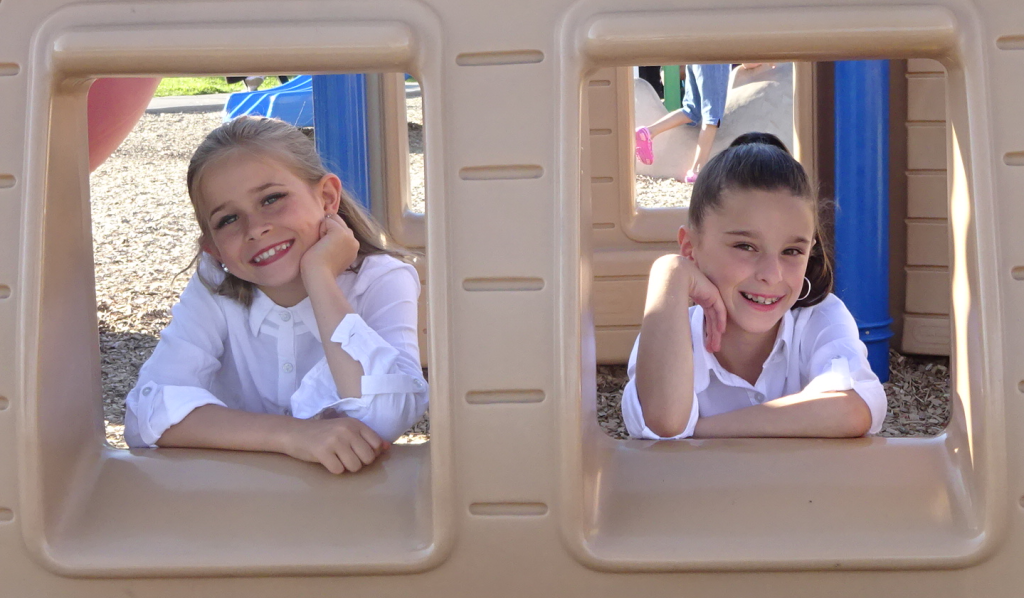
point(291, 102)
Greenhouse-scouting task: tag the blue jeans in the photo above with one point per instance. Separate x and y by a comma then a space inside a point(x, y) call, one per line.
point(707, 86)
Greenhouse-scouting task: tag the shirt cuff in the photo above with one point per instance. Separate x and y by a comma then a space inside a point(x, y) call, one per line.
point(157, 407)
point(381, 376)
point(838, 378)
point(873, 394)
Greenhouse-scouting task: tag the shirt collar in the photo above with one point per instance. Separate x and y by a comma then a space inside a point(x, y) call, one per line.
point(704, 362)
point(262, 306)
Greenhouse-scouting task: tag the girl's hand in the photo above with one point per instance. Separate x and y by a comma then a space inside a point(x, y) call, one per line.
point(340, 444)
point(670, 276)
point(336, 250)
point(704, 293)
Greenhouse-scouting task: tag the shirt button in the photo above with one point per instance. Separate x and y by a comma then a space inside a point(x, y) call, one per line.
point(287, 367)
point(147, 390)
point(418, 384)
point(285, 316)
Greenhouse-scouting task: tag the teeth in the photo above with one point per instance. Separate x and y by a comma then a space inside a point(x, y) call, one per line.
point(270, 252)
point(761, 300)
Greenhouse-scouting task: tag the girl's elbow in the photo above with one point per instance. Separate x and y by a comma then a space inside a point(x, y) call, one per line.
point(858, 418)
point(668, 427)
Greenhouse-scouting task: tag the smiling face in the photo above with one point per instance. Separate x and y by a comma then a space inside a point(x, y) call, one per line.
point(754, 247)
point(261, 219)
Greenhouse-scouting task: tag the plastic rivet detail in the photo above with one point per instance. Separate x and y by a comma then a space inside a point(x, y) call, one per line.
point(9, 69)
point(5, 291)
point(4, 403)
point(1022, 501)
point(7, 181)
point(1020, 386)
point(6, 515)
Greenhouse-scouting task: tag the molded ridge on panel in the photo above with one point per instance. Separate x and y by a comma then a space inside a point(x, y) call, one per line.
point(499, 58)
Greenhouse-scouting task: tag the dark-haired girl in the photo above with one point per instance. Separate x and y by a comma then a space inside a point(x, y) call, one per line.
point(766, 350)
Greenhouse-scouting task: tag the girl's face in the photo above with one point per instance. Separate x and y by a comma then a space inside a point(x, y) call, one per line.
point(262, 218)
point(754, 248)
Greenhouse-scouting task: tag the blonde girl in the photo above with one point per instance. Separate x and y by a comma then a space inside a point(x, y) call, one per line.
point(297, 333)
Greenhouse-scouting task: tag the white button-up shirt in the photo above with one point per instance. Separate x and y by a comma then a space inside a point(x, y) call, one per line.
point(269, 359)
point(817, 348)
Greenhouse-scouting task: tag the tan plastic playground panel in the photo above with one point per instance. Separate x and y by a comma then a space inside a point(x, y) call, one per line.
point(389, 179)
point(927, 310)
point(518, 492)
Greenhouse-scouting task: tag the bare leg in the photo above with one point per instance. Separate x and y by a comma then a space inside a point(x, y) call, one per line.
point(669, 121)
point(704, 142)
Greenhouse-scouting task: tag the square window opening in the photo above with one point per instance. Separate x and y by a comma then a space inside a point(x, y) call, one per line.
point(144, 231)
point(637, 208)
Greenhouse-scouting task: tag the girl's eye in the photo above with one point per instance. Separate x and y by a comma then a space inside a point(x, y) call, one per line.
point(226, 220)
point(273, 197)
point(793, 251)
point(744, 246)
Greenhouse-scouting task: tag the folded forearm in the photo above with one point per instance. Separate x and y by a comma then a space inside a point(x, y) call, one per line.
point(214, 426)
point(664, 363)
point(841, 414)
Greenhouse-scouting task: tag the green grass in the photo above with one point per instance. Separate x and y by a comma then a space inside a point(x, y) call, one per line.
point(194, 86)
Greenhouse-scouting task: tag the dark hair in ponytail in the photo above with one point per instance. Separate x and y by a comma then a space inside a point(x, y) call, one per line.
point(760, 161)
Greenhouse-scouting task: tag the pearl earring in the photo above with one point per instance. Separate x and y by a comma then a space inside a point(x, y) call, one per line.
point(224, 267)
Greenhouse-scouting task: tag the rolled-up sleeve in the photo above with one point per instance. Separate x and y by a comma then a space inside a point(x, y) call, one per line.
point(175, 379)
point(633, 415)
point(383, 339)
point(839, 361)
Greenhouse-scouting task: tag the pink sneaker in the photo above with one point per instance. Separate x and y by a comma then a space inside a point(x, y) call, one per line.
point(691, 177)
point(644, 147)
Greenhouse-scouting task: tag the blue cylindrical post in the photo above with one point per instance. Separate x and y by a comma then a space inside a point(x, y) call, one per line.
point(862, 201)
point(339, 117)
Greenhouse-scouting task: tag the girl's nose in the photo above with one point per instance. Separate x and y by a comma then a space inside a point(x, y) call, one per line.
point(769, 269)
point(258, 227)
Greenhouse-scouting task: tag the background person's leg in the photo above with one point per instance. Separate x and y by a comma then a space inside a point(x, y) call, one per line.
point(712, 84)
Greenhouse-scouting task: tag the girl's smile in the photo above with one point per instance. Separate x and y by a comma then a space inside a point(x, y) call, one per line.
point(754, 247)
point(272, 254)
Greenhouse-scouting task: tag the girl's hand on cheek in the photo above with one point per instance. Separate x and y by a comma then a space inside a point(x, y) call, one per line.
point(704, 293)
point(336, 250)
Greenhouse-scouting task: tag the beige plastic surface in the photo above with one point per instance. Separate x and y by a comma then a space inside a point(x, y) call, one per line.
point(518, 493)
point(389, 174)
point(927, 309)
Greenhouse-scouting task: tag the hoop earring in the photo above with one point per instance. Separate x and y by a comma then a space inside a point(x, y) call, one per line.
point(800, 298)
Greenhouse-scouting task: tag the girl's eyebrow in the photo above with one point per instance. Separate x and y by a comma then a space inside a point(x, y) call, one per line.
point(742, 233)
point(263, 187)
point(752, 235)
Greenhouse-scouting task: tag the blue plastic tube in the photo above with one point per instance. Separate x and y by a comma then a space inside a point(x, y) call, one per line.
point(339, 115)
point(862, 202)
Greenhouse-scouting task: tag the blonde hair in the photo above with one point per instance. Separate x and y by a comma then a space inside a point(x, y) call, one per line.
point(292, 148)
